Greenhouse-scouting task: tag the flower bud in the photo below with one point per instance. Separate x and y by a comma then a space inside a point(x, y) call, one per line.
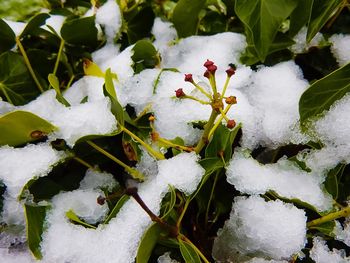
point(231, 70)
point(231, 124)
point(101, 200)
point(231, 100)
point(212, 69)
point(206, 74)
point(151, 118)
point(179, 93)
point(188, 78)
point(208, 63)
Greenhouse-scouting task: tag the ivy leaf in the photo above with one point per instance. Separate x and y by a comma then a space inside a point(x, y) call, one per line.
point(169, 204)
point(185, 16)
point(16, 85)
point(321, 12)
point(320, 96)
point(92, 69)
point(148, 242)
point(140, 25)
point(325, 228)
point(74, 218)
point(332, 180)
point(53, 80)
point(80, 31)
point(7, 37)
point(116, 208)
point(35, 217)
point(262, 19)
point(145, 56)
point(188, 253)
point(20, 127)
point(34, 23)
point(300, 16)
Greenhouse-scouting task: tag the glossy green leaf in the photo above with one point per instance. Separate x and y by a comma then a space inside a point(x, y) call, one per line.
point(139, 26)
point(332, 180)
point(7, 37)
point(20, 127)
point(185, 16)
point(188, 253)
point(117, 208)
point(109, 91)
point(145, 56)
point(262, 19)
point(169, 205)
point(221, 143)
point(148, 242)
point(325, 228)
point(109, 83)
point(16, 85)
point(74, 218)
point(80, 31)
point(35, 217)
point(34, 23)
point(300, 16)
point(320, 14)
point(321, 95)
point(53, 80)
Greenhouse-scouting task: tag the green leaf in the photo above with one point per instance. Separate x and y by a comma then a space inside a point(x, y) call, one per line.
point(7, 37)
point(332, 180)
point(109, 83)
point(221, 144)
point(185, 16)
point(20, 127)
point(116, 208)
point(139, 26)
point(74, 218)
point(53, 80)
point(300, 16)
point(35, 217)
point(145, 56)
point(80, 31)
point(188, 253)
point(321, 95)
point(34, 23)
point(321, 12)
point(16, 85)
point(148, 242)
point(325, 228)
point(262, 19)
point(169, 205)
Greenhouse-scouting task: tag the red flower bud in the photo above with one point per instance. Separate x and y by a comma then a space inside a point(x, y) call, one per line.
point(208, 63)
point(179, 93)
point(230, 72)
point(188, 78)
point(207, 74)
point(101, 200)
point(231, 124)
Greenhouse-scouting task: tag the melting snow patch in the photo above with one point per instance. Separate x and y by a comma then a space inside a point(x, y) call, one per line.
point(272, 230)
point(341, 48)
point(320, 253)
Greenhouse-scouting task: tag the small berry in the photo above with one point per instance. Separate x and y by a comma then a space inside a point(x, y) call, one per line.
point(101, 200)
point(212, 69)
point(188, 78)
point(231, 124)
point(208, 63)
point(231, 100)
point(231, 70)
point(179, 93)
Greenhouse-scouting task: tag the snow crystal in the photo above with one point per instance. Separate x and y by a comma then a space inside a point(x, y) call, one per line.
point(190, 53)
point(35, 161)
point(275, 94)
point(108, 15)
point(341, 48)
point(166, 259)
point(284, 177)
point(65, 242)
point(300, 41)
point(164, 33)
point(95, 180)
point(320, 253)
point(75, 121)
point(272, 230)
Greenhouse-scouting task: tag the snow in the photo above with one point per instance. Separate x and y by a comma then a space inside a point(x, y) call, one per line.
point(284, 177)
point(17, 27)
point(341, 48)
point(164, 33)
point(109, 16)
point(271, 230)
point(165, 258)
point(120, 238)
point(343, 232)
point(35, 161)
point(56, 22)
point(15, 257)
point(261, 260)
point(320, 253)
point(301, 45)
point(75, 121)
point(98, 180)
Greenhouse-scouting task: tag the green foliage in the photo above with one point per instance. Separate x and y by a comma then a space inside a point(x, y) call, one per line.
point(7, 37)
point(145, 56)
point(33, 24)
point(20, 127)
point(35, 218)
point(185, 16)
point(116, 208)
point(188, 253)
point(148, 242)
point(72, 216)
point(321, 95)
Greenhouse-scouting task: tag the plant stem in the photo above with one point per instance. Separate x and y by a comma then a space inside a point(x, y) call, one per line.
point(225, 87)
point(70, 82)
point(198, 100)
point(205, 139)
point(184, 238)
point(202, 90)
point(5, 93)
point(133, 172)
point(176, 146)
point(178, 223)
point(330, 217)
point(81, 161)
point(58, 56)
point(211, 198)
point(213, 85)
point(29, 66)
point(224, 114)
point(156, 154)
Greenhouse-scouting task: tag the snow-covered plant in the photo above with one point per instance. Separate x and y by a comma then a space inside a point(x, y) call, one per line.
point(157, 131)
